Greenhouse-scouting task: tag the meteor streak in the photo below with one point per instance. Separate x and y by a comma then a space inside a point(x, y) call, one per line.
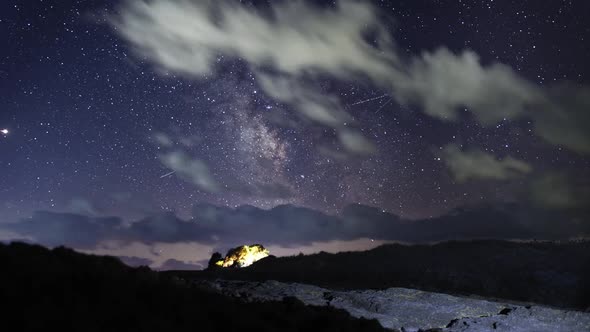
point(167, 174)
point(368, 100)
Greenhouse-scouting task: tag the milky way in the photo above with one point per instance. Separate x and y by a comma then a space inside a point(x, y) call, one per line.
point(93, 118)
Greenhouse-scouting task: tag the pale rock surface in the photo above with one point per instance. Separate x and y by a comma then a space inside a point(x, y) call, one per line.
point(414, 310)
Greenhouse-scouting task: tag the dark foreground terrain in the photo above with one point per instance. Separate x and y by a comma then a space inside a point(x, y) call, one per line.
point(555, 274)
point(57, 290)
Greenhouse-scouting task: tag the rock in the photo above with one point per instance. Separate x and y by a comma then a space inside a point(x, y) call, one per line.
point(413, 310)
point(241, 256)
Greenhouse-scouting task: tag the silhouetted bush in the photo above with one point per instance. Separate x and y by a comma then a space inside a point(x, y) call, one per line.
point(216, 257)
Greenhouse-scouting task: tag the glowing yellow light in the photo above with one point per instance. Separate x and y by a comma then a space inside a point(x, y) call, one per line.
point(243, 256)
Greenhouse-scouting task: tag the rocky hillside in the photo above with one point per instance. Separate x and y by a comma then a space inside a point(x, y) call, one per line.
point(549, 273)
point(61, 290)
point(403, 309)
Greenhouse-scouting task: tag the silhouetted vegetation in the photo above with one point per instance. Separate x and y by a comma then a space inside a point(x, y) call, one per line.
point(57, 290)
point(556, 274)
point(216, 257)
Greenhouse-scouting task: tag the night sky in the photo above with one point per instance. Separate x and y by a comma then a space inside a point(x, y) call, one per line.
point(135, 109)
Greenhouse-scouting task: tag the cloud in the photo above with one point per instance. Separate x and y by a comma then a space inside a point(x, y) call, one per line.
point(313, 105)
point(187, 36)
point(476, 164)
point(7, 236)
point(173, 264)
point(86, 232)
point(81, 206)
point(442, 83)
point(565, 119)
point(557, 190)
point(135, 261)
point(295, 227)
point(165, 236)
point(262, 153)
point(293, 42)
point(330, 246)
point(157, 254)
point(267, 183)
point(285, 224)
point(166, 228)
point(295, 38)
point(76, 230)
point(190, 169)
point(354, 141)
point(319, 108)
point(163, 140)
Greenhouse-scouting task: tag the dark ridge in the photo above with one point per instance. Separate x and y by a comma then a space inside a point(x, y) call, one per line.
point(62, 290)
point(549, 273)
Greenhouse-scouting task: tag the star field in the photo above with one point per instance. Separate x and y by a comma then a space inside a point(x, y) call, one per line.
point(89, 120)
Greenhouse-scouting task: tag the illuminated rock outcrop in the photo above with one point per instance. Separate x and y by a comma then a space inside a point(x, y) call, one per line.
point(243, 256)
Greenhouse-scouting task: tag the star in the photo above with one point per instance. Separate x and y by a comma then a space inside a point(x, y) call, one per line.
point(265, 150)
